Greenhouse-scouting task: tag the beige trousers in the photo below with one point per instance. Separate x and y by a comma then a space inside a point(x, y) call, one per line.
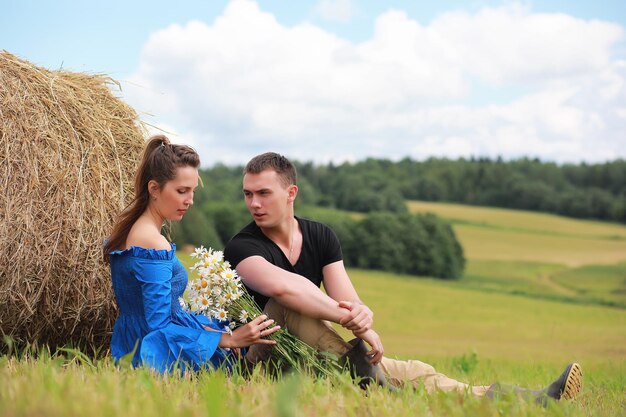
point(320, 335)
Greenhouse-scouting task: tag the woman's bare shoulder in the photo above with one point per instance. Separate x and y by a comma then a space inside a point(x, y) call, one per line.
point(146, 236)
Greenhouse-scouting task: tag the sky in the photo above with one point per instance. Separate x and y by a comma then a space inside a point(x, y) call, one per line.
point(343, 80)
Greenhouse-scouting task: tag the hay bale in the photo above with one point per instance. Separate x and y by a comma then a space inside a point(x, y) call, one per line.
point(68, 152)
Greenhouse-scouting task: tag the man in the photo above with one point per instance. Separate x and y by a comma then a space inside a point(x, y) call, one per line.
point(283, 260)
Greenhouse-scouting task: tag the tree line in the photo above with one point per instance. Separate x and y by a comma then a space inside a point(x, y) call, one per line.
point(593, 191)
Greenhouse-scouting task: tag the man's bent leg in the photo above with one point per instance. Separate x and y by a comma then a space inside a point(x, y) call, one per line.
point(417, 373)
point(320, 335)
point(316, 333)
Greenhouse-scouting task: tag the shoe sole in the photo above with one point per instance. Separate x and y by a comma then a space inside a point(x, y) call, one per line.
point(573, 382)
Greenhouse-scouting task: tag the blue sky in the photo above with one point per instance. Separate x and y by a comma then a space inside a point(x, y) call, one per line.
point(343, 80)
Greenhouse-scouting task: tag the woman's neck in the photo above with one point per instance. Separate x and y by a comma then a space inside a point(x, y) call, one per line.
point(152, 216)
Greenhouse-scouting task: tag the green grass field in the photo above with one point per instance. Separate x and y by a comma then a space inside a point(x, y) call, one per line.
point(538, 292)
point(538, 254)
point(524, 221)
point(67, 387)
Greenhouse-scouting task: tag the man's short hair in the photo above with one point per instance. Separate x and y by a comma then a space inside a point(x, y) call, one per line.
point(270, 160)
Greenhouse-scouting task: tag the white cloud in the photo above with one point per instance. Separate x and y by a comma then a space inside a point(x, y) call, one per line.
point(336, 10)
point(246, 84)
point(513, 44)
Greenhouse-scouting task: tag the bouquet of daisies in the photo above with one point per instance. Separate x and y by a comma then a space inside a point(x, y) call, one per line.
point(217, 292)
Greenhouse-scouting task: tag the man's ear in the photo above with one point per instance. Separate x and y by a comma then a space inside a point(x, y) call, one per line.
point(292, 193)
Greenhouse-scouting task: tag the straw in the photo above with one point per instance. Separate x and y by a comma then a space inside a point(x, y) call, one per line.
point(68, 151)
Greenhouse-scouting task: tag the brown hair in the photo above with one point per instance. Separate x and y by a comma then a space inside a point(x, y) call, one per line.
point(270, 160)
point(159, 162)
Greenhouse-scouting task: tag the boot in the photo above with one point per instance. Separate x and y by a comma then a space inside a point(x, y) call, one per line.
point(360, 367)
point(566, 387)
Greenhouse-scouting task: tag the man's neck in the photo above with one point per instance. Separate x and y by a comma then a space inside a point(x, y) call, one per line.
point(281, 234)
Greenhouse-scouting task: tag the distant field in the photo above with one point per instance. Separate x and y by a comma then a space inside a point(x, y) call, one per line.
point(606, 282)
point(430, 318)
point(484, 243)
point(538, 254)
point(501, 234)
point(526, 221)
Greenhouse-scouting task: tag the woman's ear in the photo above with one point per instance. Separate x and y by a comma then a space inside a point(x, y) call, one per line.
point(153, 189)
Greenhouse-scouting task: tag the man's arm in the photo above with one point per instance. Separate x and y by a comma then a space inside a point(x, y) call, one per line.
point(339, 287)
point(291, 290)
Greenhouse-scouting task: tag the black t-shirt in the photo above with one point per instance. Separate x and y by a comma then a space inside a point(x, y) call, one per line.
point(320, 247)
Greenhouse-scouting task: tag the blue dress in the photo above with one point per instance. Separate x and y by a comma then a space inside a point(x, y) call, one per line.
point(147, 285)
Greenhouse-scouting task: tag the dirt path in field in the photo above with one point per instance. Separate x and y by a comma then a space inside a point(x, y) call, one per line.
point(545, 279)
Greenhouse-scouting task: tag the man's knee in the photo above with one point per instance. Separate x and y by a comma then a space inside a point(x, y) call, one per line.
point(276, 311)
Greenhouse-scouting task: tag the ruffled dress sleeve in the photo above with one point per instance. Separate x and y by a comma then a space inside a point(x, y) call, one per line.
point(168, 343)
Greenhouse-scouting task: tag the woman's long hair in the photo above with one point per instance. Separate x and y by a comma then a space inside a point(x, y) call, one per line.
point(159, 163)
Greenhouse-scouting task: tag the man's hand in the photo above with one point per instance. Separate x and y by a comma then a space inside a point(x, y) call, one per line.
point(371, 337)
point(359, 319)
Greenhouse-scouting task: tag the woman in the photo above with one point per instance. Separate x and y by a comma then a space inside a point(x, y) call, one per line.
point(148, 279)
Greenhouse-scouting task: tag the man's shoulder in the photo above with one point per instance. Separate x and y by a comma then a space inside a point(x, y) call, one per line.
point(251, 229)
point(313, 227)
point(249, 233)
point(248, 242)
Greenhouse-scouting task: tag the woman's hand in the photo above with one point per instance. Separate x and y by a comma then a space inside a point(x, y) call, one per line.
point(371, 337)
point(250, 334)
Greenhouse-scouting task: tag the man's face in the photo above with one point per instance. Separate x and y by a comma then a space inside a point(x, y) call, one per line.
point(268, 200)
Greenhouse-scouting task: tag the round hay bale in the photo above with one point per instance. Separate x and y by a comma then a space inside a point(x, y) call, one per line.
point(68, 153)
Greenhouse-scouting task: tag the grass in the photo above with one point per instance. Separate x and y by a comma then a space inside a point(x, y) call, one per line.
point(483, 243)
point(595, 281)
point(537, 254)
point(62, 386)
point(537, 294)
point(526, 221)
point(501, 234)
point(427, 318)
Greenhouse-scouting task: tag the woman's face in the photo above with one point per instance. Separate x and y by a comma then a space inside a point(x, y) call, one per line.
point(174, 199)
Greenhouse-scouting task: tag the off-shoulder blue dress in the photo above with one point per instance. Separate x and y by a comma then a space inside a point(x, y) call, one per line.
point(147, 285)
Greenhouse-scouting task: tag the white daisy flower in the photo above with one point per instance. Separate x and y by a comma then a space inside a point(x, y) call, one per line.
point(244, 316)
point(221, 314)
point(221, 301)
point(205, 302)
point(228, 274)
point(195, 303)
